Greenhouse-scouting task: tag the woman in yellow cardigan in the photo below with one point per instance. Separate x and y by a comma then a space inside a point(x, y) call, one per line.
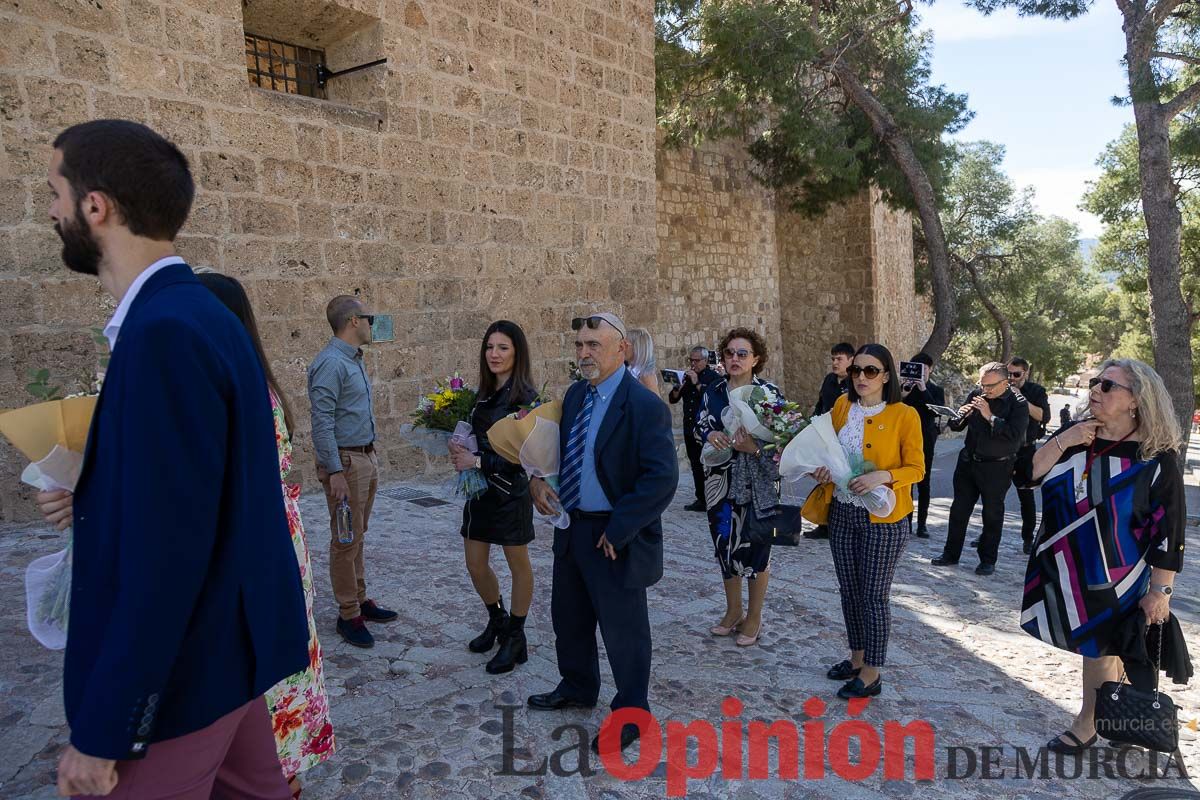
point(873, 426)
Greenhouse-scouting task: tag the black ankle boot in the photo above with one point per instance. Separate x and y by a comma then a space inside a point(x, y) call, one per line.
point(513, 647)
point(496, 620)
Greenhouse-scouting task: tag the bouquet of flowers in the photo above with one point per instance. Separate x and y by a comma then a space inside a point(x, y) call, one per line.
point(470, 483)
point(530, 437)
point(763, 414)
point(438, 414)
point(816, 446)
point(52, 435)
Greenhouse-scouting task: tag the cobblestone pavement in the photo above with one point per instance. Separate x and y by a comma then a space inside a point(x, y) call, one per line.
point(418, 717)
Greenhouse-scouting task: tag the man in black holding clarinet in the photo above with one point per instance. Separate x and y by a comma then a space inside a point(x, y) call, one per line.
point(1039, 414)
point(695, 381)
point(997, 422)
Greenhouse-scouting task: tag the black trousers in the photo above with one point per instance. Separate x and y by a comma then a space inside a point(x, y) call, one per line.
point(693, 453)
point(1021, 474)
point(973, 480)
point(923, 488)
point(587, 590)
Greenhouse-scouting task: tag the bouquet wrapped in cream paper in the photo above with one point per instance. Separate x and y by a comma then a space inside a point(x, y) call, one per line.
point(52, 436)
point(817, 446)
point(530, 437)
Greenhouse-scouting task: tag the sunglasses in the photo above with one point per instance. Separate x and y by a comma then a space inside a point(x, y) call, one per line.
point(370, 318)
point(1107, 385)
point(1016, 376)
point(871, 372)
point(593, 323)
point(731, 353)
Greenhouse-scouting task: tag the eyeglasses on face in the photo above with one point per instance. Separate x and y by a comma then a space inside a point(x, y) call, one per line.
point(697, 358)
point(872, 372)
point(731, 353)
point(987, 387)
point(370, 318)
point(1106, 385)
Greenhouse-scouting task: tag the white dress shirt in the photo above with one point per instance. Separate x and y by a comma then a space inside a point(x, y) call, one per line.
point(114, 325)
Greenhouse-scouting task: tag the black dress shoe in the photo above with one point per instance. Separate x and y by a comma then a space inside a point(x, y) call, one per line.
point(985, 569)
point(843, 671)
point(629, 735)
point(1027, 548)
point(374, 613)
point(856, 688)
point(355, 632)
point(1074, 747)
point(922, 533)
point(695, 506)
point(942, 561)
point(819, 532)
point(555, 701)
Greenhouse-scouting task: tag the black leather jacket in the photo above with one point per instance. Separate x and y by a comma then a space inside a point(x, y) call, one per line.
point(502, 475)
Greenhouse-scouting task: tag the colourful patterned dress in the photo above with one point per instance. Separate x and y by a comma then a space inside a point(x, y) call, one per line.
point(1101, 535)
point(299, 706)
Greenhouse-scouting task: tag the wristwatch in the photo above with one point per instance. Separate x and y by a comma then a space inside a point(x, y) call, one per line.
point(478, 462)
point(1161, 588)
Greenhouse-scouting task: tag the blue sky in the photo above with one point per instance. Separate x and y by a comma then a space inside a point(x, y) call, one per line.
point(1040, 87)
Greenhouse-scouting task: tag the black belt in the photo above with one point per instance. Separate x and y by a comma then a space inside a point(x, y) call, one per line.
point(989, 460)
point(602, 515)
point(362, 448)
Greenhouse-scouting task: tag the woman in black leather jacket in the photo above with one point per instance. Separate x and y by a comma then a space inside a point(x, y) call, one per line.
point(502, 515)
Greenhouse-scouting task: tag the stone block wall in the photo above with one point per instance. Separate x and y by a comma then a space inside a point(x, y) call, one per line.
point(500, 165)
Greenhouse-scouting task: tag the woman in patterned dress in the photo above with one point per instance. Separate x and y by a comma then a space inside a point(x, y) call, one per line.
point(1113, 528)
point(746, 484)
point(298, 704)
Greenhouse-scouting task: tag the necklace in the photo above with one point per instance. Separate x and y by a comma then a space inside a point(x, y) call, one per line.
point(1081, 485)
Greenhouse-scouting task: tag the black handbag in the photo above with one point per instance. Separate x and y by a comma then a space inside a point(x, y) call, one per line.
point(1128, 715)
point(781, 527)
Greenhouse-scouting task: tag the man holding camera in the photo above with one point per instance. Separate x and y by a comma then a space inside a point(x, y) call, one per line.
point(1039, 415)
point(696, 379)
point(920, 393)
point(997, 422)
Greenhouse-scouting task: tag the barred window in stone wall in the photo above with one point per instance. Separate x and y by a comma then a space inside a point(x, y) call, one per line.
point(283, 67)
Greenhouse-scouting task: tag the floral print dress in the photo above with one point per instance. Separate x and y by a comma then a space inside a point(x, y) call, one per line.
point(298, 704)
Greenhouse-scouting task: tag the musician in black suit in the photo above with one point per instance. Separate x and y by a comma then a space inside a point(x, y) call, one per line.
point(920, 395)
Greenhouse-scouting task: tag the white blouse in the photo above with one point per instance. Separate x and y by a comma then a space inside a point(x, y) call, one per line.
point(851, 439)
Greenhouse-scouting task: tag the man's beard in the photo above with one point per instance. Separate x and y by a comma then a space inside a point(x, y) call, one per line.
point(590, 370)
point(81, 252)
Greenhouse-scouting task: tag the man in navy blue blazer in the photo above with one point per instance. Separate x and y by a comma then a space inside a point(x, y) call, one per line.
point(186, 603)
point(617, 475)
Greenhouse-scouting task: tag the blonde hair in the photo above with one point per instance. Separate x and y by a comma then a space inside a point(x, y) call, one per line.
point(1156, 413)
point(641, 351)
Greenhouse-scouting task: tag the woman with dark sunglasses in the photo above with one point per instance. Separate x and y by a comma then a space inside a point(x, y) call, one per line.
point(746, 484)
point(1112, 506)
point(883, 434)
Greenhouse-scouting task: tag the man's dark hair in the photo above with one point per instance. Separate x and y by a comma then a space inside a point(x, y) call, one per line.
point(341, 310)
point(891, 389)
point(842, 349)
point(146, 177)
point(1019, 362)
point(923, 358)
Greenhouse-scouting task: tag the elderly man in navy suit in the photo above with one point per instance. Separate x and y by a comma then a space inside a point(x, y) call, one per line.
point(617, 476)
point(186, 603)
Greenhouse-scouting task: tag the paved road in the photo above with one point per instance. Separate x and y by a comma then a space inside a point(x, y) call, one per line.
point(417, 717)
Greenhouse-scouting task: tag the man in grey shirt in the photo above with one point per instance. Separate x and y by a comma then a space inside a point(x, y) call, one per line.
point(343, 431)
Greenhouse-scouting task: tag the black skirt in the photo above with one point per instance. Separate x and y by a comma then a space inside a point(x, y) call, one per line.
point(498, 518)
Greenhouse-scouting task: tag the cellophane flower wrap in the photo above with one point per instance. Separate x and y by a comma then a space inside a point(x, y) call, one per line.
point(817, 445)
point(469, 483)
point(438, 414)
point(763, 414)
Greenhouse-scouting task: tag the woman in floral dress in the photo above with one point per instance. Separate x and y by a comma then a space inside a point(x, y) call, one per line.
point(298, 704)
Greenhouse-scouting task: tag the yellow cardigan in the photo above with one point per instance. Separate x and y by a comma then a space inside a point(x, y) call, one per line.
point(891, 441)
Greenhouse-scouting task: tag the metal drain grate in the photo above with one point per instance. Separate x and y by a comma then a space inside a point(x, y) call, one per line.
point(428, 502)
point(402, 493)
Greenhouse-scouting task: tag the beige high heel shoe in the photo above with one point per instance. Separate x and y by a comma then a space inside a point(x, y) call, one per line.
point(746, 641)
point(725, 630)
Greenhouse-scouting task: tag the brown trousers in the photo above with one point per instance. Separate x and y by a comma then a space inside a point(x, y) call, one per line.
point(346, 571)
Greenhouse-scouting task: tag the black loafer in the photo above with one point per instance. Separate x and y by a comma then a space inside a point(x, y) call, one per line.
point(374, 613)
point(695, 506)
point(819, 532)
point(856, 688)
point(1027, 548)
point(1075, 747)
point(355, 632)
point(842, 671)
point(556, 701)
point(942, 561)
point(922, 533)
point(629, 735)
point(985, 569)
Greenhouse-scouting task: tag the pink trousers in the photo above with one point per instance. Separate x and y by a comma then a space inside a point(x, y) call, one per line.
point(232, 759)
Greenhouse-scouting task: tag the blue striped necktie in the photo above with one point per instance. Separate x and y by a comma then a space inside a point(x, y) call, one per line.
point(571, 473)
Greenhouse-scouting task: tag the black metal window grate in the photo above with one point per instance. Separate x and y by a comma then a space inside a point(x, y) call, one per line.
point(283, 67)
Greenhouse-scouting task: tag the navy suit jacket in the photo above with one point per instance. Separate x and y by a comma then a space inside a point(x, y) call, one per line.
point(186, 600)
point(638, 471)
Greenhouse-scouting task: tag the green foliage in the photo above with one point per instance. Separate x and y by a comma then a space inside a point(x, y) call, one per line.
point(761, 72)
point(40, 387)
